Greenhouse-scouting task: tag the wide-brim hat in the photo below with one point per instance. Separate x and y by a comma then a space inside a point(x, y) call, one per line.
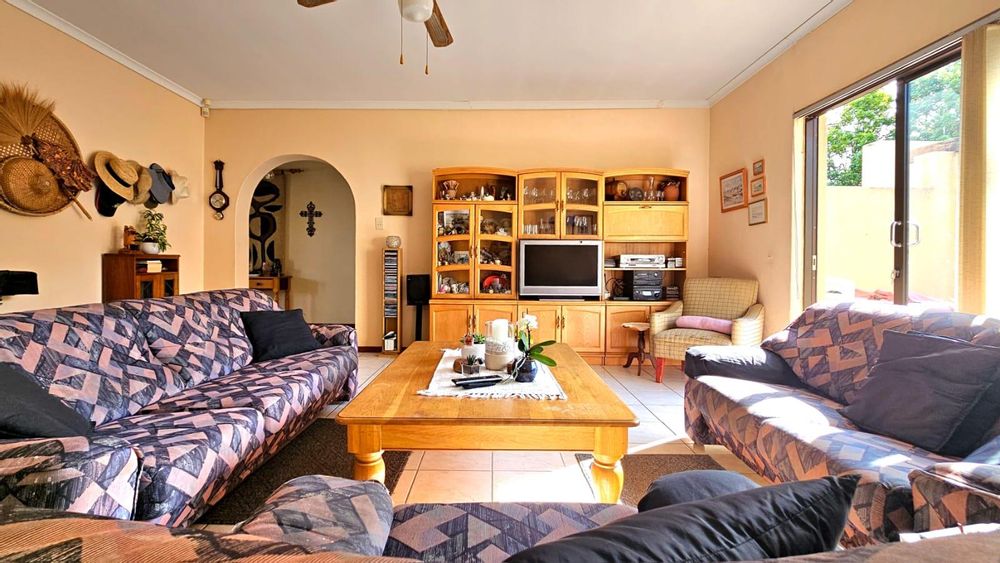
point(181, 190)
point(143, 186)
point(28, 187)
point(162, 184)
point(116, 174)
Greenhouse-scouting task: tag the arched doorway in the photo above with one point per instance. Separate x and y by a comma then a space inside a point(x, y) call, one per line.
point(317, 248)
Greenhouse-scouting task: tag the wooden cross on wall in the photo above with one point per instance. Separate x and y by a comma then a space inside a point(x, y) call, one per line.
point(311, 214)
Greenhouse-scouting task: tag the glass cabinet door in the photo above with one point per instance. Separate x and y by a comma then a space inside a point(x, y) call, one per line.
point(145, 286)
point(454, 250)
point(581, 196)
point(170, 288)
point(495, 250)
point(539, 196)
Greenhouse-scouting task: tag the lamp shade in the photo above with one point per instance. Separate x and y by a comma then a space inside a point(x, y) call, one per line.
point(417, 11)
point(18, 283)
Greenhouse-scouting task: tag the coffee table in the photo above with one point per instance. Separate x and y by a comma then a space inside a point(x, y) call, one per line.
point(389, 415)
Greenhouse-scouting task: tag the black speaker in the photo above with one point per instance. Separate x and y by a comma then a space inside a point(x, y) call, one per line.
point(418, 289)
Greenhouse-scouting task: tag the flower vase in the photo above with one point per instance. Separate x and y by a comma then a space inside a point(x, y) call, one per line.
point(527, 372)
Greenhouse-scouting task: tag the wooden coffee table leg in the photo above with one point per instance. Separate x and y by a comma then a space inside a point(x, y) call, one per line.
point(365, 442)
point(609, 447)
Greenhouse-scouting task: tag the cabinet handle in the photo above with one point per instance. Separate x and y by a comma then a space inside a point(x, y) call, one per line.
point(645, 207)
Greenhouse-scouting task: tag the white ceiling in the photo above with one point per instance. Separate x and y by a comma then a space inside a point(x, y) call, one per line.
point(507, 53)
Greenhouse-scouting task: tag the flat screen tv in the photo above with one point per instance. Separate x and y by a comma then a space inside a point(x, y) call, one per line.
point(560, 268)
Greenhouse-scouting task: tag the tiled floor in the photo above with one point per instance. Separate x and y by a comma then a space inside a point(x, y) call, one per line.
point(453, 476)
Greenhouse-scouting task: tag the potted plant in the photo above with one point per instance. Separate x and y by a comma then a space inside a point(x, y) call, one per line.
point(471, 365)
point(524, 368)
point(474, 344)
point(152, 232)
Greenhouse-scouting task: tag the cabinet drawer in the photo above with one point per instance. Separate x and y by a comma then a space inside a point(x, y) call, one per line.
point(261, 284)
point(648, 222)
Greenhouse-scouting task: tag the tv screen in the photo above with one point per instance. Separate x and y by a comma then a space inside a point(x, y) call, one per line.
point(560, 268)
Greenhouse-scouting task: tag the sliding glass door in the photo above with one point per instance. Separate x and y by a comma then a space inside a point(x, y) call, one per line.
point(882, 182)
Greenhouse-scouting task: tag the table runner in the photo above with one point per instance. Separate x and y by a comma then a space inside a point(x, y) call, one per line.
point(544, 387)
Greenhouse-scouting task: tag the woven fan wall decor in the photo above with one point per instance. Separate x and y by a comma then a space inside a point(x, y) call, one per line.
point(41, 170)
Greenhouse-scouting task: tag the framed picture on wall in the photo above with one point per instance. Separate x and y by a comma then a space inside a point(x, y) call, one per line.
point(758, 186)
point(733, 190)
point(758, 167)
point(397, 200)
point(757, 212)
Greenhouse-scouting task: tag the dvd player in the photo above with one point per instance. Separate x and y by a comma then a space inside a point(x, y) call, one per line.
point(642, 261)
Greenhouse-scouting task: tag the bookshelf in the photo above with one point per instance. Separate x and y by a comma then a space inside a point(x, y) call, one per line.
point(391, 310)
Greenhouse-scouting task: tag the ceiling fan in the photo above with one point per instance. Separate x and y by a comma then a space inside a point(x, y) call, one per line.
point(419, 11)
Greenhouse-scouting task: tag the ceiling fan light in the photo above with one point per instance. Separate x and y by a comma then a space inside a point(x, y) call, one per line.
point(417, 11)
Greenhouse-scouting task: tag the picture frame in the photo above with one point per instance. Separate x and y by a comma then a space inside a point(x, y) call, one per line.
point(733, 190)
point(758, 187)
point(757, 212)
point(397, 200)
point(758, 167)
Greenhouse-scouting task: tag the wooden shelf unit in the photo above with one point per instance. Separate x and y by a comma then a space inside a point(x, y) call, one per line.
point(392, 300)
point(546, 202)
point(122, 276)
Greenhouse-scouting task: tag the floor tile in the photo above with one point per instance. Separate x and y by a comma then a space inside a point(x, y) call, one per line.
point(451, 486)
point(527, 461)
point(403, 486)
point(413, 462)
point(671, 415)
point(457, 460)
point(565, 485)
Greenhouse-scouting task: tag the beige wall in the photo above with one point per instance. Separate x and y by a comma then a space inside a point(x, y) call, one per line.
point(107, 107)
point(321, 266)
point(372, 148)
point(755, 121)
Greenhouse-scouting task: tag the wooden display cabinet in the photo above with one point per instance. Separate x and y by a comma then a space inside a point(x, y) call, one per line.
point(450, 322)
point(581, 326)
point(475, 182)
point(560, 205)
point(124, 277)
point(495, 250)
point(453, 251)
point(484, 314)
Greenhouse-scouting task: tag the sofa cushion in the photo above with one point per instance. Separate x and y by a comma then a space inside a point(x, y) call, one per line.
point(276, 334)
point(883, 503)
point(832, 347)
point(689, 486)
point(27, 411)
point(324, 513)
point(722, 326)
point(188, 459)
point(197, 336)
point(489, 531)
point(92, 357)
point(337, 366)
point(770, 522)
point(752, 363)
point(280, 396)
point(940, 394)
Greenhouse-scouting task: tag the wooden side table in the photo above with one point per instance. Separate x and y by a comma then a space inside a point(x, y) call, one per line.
point(274, 284)
point(640, 353)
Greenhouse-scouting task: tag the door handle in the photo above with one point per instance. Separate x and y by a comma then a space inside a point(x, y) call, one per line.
point(916, 234)
point(892, 234)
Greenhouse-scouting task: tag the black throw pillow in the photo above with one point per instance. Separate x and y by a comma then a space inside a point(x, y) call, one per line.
point(28, 411)
point(688, 486)
point(797, 518)
point(937, 393)
point(276, 334)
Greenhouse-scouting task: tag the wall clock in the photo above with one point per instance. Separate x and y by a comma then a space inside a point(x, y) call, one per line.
point(218, 201)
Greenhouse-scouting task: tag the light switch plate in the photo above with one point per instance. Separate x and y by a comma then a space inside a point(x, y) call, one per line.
point(378, 224)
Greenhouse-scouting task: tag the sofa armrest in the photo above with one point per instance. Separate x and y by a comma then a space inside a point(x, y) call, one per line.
point(955, 493)
point(322, 513)
point(97, 476)
point(751, 363)
point(330, 334)
point(748, 330)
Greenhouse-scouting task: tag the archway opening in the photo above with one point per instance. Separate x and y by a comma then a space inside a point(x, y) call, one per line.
point(298, 221)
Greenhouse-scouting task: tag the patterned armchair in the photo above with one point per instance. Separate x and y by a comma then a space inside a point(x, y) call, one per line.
point(721, 298)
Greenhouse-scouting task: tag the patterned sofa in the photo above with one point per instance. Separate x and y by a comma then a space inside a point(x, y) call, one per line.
point(777, 408)
point(180, 413)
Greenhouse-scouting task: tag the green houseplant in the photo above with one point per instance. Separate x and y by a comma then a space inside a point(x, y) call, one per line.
point(524, 368)
point(153, 231)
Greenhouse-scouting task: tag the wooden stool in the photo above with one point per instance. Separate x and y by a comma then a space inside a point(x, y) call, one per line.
point(640, 353)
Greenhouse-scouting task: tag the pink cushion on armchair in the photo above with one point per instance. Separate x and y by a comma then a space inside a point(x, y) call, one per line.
point(705, 323)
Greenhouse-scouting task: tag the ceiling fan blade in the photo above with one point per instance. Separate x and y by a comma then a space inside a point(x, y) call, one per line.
point(438, 29)
point(314, 3)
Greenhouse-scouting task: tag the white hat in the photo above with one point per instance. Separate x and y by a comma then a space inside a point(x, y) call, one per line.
point(181, 190)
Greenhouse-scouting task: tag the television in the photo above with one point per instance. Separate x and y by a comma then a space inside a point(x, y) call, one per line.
point(560, 268)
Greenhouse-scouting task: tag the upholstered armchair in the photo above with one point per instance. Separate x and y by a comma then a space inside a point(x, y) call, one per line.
point(727, 299)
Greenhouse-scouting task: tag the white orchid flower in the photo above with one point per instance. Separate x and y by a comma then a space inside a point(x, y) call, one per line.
point(528, 322)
